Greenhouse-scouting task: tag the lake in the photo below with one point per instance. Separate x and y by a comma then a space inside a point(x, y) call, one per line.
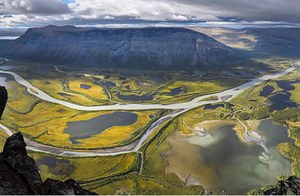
point(88, 128)
point(223, 163)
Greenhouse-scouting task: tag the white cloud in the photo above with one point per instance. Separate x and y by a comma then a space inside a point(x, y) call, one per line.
point(40, 12)
point(43, 7)
point(140, 9)
point(109, 17)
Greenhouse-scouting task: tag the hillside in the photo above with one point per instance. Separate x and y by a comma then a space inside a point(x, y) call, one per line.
point(283, 42)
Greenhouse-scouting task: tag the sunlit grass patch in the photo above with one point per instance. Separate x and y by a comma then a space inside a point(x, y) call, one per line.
point(88, 88)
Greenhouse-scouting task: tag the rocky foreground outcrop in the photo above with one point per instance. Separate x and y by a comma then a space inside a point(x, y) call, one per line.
point(19, 174)
point(289, 186)
point(3, 99)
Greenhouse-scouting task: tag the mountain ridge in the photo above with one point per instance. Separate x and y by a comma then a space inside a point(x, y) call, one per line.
point(140, 48)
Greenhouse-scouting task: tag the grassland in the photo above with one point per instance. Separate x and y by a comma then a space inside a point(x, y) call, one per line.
point(70, 90)
point(84, 169)
point(152, 178)
point(296, 93)
point(47, 122)
point(134, 173)
point(3, 137)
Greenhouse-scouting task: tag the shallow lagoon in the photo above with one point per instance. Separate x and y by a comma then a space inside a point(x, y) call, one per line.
point(225, 164)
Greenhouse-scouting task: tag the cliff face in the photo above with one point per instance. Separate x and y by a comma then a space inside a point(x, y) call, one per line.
point(19, 174)
point(142, 48)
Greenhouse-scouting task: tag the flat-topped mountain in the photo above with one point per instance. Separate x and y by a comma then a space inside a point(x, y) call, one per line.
point(136, 47)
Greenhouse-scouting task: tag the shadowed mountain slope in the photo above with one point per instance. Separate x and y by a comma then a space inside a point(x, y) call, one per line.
point(142, 48)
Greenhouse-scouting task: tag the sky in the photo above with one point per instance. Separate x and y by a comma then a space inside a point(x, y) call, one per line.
point(35, 13)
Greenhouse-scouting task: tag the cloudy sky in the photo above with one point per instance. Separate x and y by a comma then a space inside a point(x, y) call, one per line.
point(31, 13)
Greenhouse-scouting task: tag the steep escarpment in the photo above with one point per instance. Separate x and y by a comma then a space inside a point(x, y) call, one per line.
point(19, 174)
point(142, 48)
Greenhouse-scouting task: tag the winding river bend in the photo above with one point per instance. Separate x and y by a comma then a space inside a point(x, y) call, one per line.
point(178, 108)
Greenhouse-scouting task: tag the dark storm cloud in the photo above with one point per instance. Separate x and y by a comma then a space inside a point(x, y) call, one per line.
point(42, 7)
point(271, 10)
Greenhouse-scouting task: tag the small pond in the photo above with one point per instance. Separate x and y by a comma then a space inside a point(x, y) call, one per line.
point(146, 97)
point(176, 91)
point(281, 101)
point(285, 85)
point(267, 90)
point(85, 86)
point(56, 165)
point(213, 106)
point(108, 84)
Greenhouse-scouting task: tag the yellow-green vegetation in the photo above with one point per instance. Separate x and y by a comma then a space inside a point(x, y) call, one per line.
point(260, 191)
point(119, 135)
point(93, 91)
point(3, 137)
point(130, 86)
point(46, 124)
point(292, 152)
point(152, 178)
point(294, 132)
point(148, 171)
point(212, 98)
point(69, 90)
point(200, 114)
point(85, 169)
point(199, 87)
point(250, 98)
point(17, 103)
point(142, 185)
point(296, 93)
point(240, 131)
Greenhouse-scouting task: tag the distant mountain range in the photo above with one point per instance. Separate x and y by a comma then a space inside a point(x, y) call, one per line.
point(142, 48)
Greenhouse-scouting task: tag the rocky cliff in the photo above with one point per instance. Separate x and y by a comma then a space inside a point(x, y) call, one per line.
point(19, 174)
point(142, 48)
point(3, 99)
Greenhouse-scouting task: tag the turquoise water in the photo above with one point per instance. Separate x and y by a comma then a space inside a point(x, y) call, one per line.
point(239, 167)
